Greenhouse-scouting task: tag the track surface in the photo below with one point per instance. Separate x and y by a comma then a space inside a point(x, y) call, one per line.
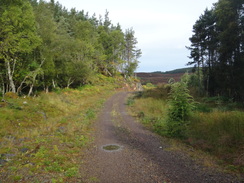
point(143, 157)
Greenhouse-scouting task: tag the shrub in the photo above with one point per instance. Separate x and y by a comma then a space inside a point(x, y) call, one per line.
point(148, 86)
point(11, 95)
point(180, 107)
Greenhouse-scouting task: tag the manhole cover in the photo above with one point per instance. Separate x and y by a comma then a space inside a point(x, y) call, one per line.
point(111, 147)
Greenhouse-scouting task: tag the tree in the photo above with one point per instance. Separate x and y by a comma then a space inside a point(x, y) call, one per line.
point(217, 49)
point(56, 47)
point(17, 35)
point(203, 49)
point(181, 105)
point(47, 30)
point(230, 33)
point(111, 38)
point(131, 53)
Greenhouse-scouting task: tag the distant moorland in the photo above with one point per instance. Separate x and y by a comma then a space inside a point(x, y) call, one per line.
point(159, 77)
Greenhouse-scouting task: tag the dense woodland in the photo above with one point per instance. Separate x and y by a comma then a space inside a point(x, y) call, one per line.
point(44, 46)
point(217, 50)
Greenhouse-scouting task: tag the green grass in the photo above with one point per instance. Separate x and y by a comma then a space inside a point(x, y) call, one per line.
point(150, 107)
point(220, 133)
point(216, 126)
point(46, 134)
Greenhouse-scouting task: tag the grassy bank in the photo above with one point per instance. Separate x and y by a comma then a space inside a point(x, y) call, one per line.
point(42, 138)
point(215, 127)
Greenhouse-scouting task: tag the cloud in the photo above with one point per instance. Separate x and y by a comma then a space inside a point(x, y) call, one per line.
point(162, 27)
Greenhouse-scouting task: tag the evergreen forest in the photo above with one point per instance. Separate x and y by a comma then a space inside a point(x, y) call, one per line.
point(217, 50)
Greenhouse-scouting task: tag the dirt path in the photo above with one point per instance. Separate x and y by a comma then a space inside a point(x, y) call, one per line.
point(143, 156)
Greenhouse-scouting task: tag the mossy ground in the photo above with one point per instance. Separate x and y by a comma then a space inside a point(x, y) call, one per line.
point(41, 138)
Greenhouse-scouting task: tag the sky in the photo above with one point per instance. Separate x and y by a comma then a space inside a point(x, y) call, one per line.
point(162, 27)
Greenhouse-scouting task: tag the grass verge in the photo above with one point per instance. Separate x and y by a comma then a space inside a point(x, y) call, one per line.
point(211, 129)
point(41, 138)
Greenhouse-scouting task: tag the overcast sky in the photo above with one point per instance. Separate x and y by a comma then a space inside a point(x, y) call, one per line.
point(162, 27)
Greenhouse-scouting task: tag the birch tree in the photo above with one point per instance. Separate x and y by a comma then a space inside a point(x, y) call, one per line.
point(17, 35)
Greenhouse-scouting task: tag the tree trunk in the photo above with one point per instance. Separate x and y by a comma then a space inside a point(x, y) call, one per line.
point(69, 82)
point(10, 77)
point(3, 86)
point(21, 84)
point(46, 89)
point(31, 89)
point(54, 86)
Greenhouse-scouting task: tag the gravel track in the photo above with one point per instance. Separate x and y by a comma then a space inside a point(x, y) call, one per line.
point(143, 156)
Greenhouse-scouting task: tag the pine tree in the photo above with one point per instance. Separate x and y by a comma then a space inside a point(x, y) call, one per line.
point(131, 53)
point(217, 49)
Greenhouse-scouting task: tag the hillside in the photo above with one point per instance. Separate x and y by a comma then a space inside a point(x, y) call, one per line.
point(162, 77)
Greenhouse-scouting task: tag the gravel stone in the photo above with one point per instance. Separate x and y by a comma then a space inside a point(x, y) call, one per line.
point(144, 156)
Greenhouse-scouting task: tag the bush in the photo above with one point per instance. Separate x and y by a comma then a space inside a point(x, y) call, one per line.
point(11, 95)
point(204, 125)
point(180, 107)
point(148, 86)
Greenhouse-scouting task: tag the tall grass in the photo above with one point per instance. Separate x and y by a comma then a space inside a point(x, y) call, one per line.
point(151, 107)
point(221, 133)
point(209, 128)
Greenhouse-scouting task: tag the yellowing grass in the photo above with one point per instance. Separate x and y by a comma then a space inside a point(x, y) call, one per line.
point(151, 107)
point(219, 133)
point(151, 112)
point(44, 135)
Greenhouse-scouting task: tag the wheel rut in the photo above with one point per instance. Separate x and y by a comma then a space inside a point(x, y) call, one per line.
point(123, 151)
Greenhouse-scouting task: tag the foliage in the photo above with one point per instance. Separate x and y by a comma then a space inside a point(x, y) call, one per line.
point(148, 86)
point(217, 50)
point(131, 53)
point(180, 108)
point(43, 46)
point(18, 37)
point(215, 125)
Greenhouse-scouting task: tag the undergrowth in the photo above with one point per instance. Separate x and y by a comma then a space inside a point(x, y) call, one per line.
point(41, 138)
point(215, 127)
